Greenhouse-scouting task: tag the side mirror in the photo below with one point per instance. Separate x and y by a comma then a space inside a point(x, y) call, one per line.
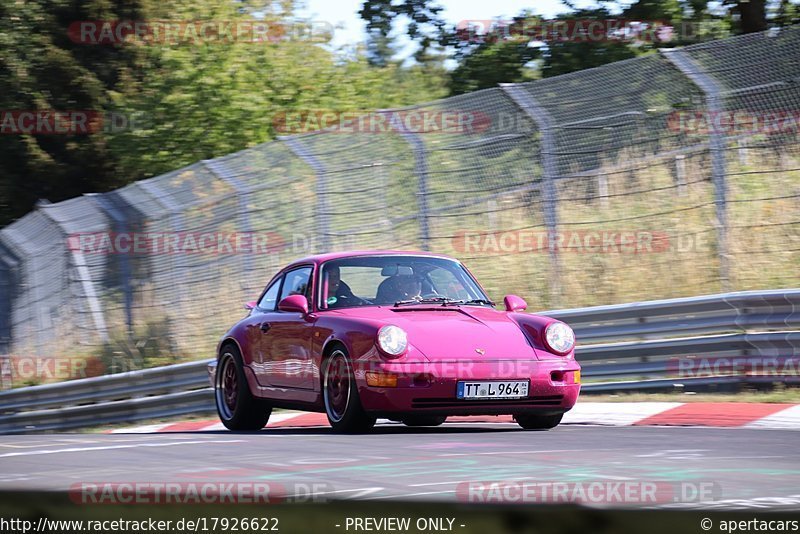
point(250, 305)
point(514, 303)
point(294, 303)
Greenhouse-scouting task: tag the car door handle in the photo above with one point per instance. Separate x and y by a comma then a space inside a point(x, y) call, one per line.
point(265, 327)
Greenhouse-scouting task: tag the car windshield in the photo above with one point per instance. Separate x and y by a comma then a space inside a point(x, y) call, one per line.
point(397, 281)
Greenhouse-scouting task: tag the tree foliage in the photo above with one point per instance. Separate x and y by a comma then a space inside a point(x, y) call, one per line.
point(185, 101)
point(513, 53)
point(189, 101)
point(425, 27)
point(41, 69)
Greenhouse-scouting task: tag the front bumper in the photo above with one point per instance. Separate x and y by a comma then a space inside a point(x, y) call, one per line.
point(431, 388)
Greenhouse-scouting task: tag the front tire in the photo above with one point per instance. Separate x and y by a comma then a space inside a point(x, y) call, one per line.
point(340, 394)
point(237, 408)
point(538, 422)
point(424, 420)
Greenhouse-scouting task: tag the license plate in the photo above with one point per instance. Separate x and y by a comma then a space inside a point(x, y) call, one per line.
point(507, 389)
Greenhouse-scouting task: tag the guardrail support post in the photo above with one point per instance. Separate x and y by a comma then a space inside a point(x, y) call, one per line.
point(323, 213)
point(544, 121)
point(6, 379)
point(716, 141)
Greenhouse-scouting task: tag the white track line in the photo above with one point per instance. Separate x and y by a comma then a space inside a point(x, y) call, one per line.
point(788, 419)
point(615, 413)
point(112, 447)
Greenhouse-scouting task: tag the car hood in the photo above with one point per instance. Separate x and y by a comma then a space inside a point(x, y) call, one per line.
point(453, 332)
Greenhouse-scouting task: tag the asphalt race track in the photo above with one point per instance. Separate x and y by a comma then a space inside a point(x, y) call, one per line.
point(750, 469)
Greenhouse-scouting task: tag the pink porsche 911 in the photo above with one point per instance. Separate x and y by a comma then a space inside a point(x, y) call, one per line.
point(406, 336)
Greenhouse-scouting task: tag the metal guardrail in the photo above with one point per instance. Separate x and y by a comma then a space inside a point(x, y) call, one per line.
point(643, 340)
point(743, 311)
point(132, 396)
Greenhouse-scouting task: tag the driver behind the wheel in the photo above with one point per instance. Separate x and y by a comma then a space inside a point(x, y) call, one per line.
point(339, 293)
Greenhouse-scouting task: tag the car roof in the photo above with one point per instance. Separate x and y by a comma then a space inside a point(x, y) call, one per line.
point(321, 258)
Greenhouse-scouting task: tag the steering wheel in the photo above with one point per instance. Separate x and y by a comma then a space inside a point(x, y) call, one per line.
point(352, 299)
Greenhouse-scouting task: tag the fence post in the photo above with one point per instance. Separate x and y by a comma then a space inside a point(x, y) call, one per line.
point(323, 213)
point(9, 282)
point(107, 204)
point(86, 281)
point(421, 171)
point(173, 210)
point(218, 169)
point(602, 189)
point(680, 174)
point(741, 146)
point(544, 121)
point(716, 142)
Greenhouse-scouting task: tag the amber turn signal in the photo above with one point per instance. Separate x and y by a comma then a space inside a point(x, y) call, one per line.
point(381, 380)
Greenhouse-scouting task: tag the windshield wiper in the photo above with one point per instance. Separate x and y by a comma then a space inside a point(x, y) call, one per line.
point(472, 301)
point(444, 301)
point(431, 300)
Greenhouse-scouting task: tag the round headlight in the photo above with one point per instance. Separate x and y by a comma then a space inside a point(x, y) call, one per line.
point(559, 337)
point(392, 340)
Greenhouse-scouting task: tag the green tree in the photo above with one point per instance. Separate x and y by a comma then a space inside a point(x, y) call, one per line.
point(42, 69)
point(491, 60)
point(425, 27)
point(788, 13)
point(752, 14)
point(563, 56)
point(529, 47)
point(189, 100)
point(201, 102)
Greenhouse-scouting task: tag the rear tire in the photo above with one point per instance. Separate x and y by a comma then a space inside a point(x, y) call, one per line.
point(237, 408)
point(424, 420)
point(538, 422)
point(340, 395)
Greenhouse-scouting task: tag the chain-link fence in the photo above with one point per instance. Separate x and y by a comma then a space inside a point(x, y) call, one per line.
point(668, 175)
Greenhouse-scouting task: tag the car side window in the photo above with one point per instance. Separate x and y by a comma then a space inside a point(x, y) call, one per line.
point(298, 282)
point(270, 298)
